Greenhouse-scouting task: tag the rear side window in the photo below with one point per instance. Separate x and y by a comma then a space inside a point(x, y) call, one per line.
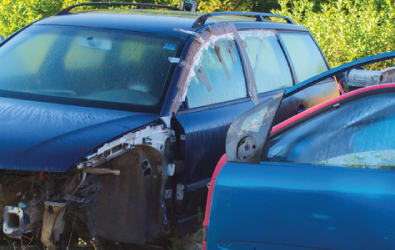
point(219, 76)
point(267, 60)
point(304, 54)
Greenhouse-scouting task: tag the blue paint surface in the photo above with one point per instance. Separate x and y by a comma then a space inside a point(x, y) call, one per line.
point(148, 21)
point(38, 136)
point(296, 205)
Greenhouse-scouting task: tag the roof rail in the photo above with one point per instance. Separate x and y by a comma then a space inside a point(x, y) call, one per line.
point(260, 17)
point(139, 5)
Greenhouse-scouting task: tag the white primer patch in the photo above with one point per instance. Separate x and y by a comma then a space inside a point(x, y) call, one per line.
point(198, 58)
point(174, 59)
point(257, 33)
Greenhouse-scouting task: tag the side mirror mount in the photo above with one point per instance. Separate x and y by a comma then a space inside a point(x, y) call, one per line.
point(248, 134)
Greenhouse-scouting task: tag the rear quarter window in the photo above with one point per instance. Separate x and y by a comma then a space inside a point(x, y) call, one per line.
point(304, 55)
point(267, 59)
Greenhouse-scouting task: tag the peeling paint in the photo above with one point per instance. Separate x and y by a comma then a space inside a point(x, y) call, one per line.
point(180, 192)
point(204, 41)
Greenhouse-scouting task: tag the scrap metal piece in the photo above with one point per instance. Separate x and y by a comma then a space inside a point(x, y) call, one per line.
point(14, 222)
point(387, 75)
point(171, 168)
point(168, 193)
point(103, 171)
point(53, 224)
point(180, 192)
point(18, 220)
point(363, 78)
point(33, 214)
point(90, 222)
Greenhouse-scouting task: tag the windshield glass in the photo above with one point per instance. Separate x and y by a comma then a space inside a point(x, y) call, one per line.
point(100, 67)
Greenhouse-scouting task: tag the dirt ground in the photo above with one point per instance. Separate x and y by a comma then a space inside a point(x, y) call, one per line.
point(192, 241)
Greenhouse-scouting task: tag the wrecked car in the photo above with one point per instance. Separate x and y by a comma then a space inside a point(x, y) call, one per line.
point(112, 120)
point(322, 179)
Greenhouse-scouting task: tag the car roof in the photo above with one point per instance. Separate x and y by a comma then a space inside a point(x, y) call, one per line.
point(317, 108)
point(163, 22)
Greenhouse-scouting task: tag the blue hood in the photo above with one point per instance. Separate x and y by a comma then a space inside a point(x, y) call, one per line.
point(38, 136)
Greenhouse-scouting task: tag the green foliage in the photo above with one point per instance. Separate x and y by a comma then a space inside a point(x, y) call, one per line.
point(347, 30)
point(226, 5)
point(17, 14)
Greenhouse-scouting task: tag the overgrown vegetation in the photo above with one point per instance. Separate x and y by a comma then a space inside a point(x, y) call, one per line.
point(17, 14)
point(347, 30)
point(192, 241)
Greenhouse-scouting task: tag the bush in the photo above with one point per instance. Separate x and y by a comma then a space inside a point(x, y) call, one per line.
point(16, 14)
point(347, 30)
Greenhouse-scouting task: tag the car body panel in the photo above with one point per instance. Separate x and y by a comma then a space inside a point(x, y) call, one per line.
point(294, 119)
point(300, 205)
point(39, 136)
point(275, 205)
point(202, 144)
point(149, 21)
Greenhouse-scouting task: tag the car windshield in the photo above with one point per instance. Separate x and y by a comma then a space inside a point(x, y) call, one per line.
point(96, 67)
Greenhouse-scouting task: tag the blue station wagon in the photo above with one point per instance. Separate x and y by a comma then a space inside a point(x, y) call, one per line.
point(112, 121)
